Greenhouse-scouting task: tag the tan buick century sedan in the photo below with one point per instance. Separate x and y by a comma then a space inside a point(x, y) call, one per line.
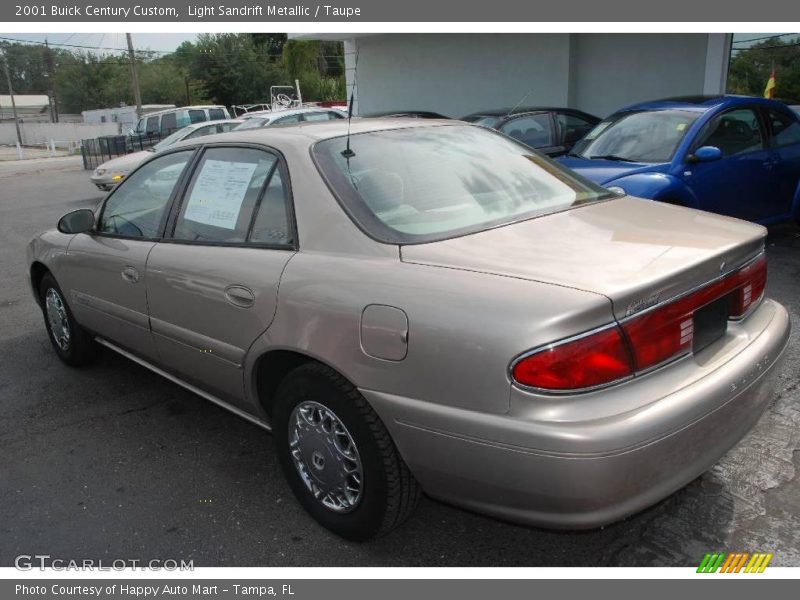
point(427, 306)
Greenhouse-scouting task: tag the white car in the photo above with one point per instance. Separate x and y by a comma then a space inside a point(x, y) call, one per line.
point(267, 118)
point(111, 172)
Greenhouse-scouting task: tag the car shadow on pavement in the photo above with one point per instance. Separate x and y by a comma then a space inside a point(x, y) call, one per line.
point(115, 460)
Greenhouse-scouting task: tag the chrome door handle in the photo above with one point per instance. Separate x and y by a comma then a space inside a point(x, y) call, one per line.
point(130, 274)
point(240, 296)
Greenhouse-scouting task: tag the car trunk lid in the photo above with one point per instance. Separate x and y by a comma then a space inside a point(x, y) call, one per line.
point(638, 253)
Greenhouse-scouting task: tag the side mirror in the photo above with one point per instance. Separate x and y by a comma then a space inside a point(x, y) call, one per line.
point(705, 154)
point(77, 221)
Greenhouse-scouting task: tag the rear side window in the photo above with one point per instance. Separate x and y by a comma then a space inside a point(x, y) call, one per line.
point(785, 129)
point(201, 131)
point(573, 127)
point(197, 116)
point(234, 198)
point(287, 120)
point(169, 123)
point(320, 116)
point(534, 130)
point(215, 114)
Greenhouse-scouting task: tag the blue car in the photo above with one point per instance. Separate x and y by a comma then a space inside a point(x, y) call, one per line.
point(732, 155)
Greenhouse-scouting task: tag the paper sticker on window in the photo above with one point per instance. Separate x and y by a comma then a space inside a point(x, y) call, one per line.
point(681, 126)
point(219, 192)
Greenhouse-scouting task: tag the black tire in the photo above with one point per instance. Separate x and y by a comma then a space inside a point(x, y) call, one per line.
point(79, 349)
point(389, 492)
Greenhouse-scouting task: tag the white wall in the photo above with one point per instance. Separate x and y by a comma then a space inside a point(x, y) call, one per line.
point(40, 133)
point(456, 74)
point(612, 71)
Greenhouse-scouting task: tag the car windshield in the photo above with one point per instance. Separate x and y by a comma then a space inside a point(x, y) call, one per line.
point(253, 123)
point(171, 139)
point(645, 136)
point(423, 184)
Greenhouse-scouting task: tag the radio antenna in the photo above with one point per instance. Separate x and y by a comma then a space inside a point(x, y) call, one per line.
point(521, 100)
point(347, 152)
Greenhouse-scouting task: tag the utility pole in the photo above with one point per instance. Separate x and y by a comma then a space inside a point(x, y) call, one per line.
point(13, 104)
point(51, 80)
point(137, 93)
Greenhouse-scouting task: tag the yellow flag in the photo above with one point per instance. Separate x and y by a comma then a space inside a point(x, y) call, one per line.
point(769, 91)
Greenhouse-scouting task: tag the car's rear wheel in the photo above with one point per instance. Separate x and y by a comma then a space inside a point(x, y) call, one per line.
point(73, 344)
point(338, 456)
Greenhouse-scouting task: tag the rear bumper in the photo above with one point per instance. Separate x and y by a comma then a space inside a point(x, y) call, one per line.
point(573, 472)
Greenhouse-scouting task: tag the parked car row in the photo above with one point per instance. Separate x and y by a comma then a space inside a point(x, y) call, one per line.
point(429, 305)
point(111, 172)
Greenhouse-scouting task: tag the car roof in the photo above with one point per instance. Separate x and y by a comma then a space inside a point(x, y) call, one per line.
point(502, 112)
point(699, 103)
point(307, 134)
point(288, 111)
point(177, 108)
point(194, 126)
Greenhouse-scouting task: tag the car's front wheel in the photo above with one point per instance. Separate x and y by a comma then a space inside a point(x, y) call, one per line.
point(73, 344)
point(338, 456)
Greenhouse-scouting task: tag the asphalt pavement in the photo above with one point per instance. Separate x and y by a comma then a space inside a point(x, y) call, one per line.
point(114, 462)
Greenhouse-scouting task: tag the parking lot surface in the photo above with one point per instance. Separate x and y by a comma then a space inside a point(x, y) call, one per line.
point(114, 462)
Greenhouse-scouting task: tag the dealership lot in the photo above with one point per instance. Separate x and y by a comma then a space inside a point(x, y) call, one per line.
point(115, 462)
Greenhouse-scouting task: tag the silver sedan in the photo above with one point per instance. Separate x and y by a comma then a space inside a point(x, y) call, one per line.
point(427, 306)
point(111, 172)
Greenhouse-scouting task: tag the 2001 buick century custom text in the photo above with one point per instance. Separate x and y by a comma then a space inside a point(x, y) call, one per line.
point(427, 306)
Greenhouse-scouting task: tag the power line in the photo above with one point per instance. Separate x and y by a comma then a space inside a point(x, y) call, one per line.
point(98, 47)
point(766, 37)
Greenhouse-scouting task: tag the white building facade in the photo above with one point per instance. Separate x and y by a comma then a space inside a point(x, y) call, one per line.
point(457, 74)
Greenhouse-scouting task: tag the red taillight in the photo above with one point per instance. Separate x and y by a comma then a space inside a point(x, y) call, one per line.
point(589, 361)
point(660, 334)
point(666, 332)
point(753, 280)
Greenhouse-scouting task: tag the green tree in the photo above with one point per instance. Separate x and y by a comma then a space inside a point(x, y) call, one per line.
point(750, 68)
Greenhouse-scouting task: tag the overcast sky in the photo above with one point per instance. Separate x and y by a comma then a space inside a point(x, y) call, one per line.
point(166, 42)
point(141, 41)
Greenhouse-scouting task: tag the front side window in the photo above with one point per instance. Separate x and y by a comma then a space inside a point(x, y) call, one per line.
point(152, 124)
point(421, 184)
point(223, 200)
point(785, 129)
point(138, 206)
point(734, 132)
point(216, 114)
point(534, 130)
point(645, 136)
point(253, 123)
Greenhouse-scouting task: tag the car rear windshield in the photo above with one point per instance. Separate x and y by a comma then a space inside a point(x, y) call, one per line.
point(424, 184)
point(644, 136)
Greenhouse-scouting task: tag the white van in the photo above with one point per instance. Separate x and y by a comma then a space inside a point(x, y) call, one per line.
point(164, 122)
